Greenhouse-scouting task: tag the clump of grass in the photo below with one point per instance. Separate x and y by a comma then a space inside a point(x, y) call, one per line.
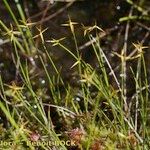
point(92, 115)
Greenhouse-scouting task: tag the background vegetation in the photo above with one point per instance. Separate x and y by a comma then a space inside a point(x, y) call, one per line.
point(77, 71)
